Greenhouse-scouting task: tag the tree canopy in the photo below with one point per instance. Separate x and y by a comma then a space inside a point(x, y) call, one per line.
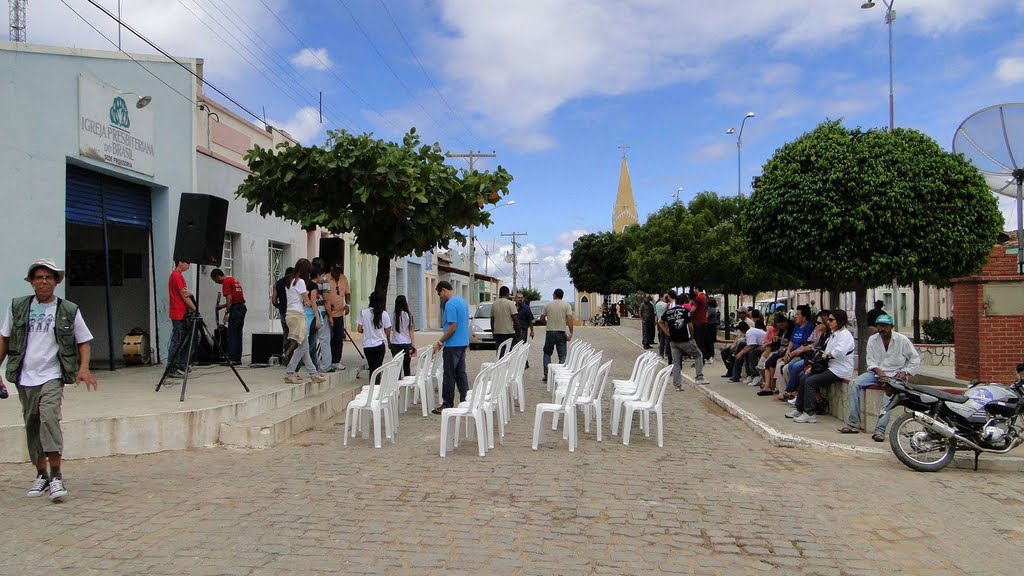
point(598, 264)
point(843, 208)
point(395, 198)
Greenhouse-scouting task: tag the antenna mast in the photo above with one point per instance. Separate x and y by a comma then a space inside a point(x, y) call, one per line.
point(17, 18)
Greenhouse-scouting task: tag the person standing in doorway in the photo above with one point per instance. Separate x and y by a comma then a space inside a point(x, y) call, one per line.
point(504, 317)
point(558, 327)
point(404, 333)
point(338, 296)
point(180, 304)
point(454, 339)
point(374, 324)
point(234, 312)
point(46, 344)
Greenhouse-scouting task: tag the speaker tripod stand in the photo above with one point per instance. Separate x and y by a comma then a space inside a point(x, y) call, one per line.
point(195, 323)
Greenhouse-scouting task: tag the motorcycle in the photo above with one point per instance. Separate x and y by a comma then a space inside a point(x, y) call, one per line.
point(985, 418)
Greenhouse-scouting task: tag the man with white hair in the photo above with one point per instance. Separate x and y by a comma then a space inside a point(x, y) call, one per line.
point(46, 344)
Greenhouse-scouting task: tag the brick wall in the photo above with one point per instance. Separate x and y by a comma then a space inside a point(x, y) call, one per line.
point(987, 347)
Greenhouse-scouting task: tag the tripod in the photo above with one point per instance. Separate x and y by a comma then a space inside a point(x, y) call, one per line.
point(195, 322)
point(349, 338)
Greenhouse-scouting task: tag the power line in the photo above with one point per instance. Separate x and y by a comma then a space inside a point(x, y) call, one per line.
point(179, 63)
point(273, 55)
point(112, 43)
point(240, 55)
point(454, 114)
point(389, 67)
point(331, 70)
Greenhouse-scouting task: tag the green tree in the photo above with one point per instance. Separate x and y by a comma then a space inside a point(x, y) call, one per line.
point(396, 198)
point(850, 208)
point(664, 249)
point(598, 264)
point(530, 294)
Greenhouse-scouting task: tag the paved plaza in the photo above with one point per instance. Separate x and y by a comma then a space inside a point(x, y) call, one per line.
point(717, 499)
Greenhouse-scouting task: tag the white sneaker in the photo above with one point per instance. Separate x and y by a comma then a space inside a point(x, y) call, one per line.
point(57, 490)
point(340, 366)
point(39, 485)
point(805, 419)
point(754, 382)
point(793, 413)
point(792, 401)
point(701, 382)
point(710, 360)
point(748, 380)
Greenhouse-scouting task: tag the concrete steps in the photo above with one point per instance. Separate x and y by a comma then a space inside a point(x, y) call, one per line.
point(319, 403)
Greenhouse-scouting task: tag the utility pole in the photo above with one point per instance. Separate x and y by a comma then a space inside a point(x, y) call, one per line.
point(17, 19)
point(474, 291)
point(515, 256)
point(529, 271)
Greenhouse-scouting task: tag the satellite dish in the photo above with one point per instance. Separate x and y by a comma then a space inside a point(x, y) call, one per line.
point(993, 139)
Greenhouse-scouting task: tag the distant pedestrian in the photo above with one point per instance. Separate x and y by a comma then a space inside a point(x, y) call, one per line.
point(403, 333)
point(647, 322)
point(558, 327)
point(454, 339)
point(46, 344)
point(301, 293)
point(320, 339)
point(504, 317)
point(234, 312)
point(677, 324)
point(525, 325)
point(875, 312)
point(374, 324)
point(711, 333)
point(279, 300)
point(659, 311)
point(699, 313)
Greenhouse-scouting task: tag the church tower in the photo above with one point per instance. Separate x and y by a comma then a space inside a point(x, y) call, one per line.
point(624, 214)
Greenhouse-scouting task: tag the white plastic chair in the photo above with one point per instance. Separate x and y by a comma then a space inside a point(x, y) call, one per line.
point(504, 348)
point(562, 376)
point(566, 407)
point(630, 383)
point(471, 408)
point(650, 404)
point(561, 372)
point(437, 375)
point(516, 388)
point(417, 384)
point(378, 398)
point(590, 400)
point(572, 350)
point(645, 379)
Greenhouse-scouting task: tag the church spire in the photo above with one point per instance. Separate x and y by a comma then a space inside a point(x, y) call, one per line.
point(624, 213)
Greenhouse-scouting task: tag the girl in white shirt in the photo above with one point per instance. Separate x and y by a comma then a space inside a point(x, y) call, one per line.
point(375, 326)
point(839, 351)
point(402, 335)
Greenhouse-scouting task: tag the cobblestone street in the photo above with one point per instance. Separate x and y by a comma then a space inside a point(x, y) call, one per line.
point(717, 499)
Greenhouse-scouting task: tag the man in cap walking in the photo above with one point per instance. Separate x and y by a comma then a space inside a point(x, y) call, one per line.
point(46, 344)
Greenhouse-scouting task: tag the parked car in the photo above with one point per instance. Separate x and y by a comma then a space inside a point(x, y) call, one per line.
point(480, 327)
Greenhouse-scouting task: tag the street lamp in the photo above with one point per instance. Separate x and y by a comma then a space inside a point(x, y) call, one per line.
point(739, 148)
point(890, 15)
point(472, 254)
point(677, 193)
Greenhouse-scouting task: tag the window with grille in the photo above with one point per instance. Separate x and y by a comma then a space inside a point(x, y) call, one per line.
point(227, 259)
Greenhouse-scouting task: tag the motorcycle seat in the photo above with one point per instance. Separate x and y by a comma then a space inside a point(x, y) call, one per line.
point(940, 394)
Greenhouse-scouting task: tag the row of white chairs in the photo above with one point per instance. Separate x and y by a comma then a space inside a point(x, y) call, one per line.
point(490, 401)
point(379, 399)
point(643, 392)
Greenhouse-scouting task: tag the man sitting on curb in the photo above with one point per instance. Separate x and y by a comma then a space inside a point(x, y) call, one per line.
point(890, 354)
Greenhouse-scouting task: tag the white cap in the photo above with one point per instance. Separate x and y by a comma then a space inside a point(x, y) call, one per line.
point(45, 263)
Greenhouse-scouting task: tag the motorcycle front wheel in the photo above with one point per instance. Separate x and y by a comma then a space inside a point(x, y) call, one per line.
point(918, 447)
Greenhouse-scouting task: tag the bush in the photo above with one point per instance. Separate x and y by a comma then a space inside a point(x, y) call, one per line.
point(633, 302)
point(938, 330)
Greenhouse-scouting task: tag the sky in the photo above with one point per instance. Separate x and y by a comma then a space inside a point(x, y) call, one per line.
point(554, 87)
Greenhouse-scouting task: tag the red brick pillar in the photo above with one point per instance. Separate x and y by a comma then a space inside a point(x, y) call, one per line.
point(988, 346)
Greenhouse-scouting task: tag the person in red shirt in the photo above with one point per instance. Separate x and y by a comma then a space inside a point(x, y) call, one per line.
point(234, 312)
point(179, 303)
point(699, 311)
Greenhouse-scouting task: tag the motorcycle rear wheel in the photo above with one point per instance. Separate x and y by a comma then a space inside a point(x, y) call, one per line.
point(903, 430)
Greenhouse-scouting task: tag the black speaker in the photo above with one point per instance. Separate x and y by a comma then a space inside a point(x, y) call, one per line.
point(265, 345)
point(201, 222)
point(332, 250)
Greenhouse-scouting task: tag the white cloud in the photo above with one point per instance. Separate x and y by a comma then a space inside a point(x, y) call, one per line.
point(304, 125)
point(515, 63)
point(714, 151)
point(313, 59)
point(1010, 70)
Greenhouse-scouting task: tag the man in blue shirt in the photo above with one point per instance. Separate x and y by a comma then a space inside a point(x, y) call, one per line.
point(454, 340)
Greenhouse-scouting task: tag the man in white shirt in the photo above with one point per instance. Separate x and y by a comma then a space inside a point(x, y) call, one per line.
point(754, 338)
point(46, 344)
point(890, 355)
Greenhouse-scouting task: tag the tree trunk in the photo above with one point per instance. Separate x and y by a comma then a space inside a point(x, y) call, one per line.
point(917, 311)
point(861, 312)
point(833, 299)
point(383, 277)
point(725, 314)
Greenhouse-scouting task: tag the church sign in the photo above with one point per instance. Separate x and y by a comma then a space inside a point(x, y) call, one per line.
point(111, 129)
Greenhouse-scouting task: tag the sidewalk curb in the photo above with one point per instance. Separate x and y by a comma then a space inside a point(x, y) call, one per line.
point(785, 440)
